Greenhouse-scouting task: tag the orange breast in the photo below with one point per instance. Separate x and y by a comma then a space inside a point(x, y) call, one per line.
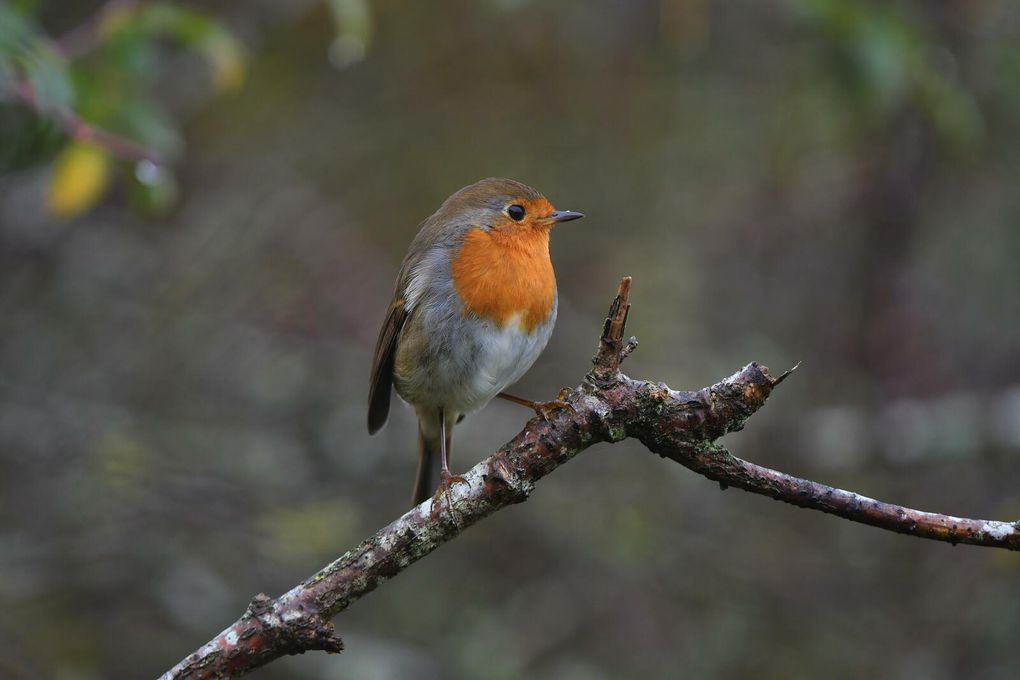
point(500, 275)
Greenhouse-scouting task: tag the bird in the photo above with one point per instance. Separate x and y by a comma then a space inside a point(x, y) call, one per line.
point(473, 307)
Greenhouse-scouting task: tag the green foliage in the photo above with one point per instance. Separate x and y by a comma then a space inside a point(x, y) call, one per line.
point(105, 76)
point(881, 61)
point(25, 53)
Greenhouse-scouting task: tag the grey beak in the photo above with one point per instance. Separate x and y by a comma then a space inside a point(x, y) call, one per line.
point(565, 215)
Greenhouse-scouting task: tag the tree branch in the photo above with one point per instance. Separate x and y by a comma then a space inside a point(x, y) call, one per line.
point(607, 407)
point(80, 131)
point(728, 470)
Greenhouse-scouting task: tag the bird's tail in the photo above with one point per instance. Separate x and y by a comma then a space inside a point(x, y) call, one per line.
point(429, 457)
point(425, 478)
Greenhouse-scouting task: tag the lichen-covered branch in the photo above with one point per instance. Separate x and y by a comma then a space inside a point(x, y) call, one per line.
point(607, 407)
point(728, 470)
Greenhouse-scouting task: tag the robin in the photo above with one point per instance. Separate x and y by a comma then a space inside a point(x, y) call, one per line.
point(473, 307)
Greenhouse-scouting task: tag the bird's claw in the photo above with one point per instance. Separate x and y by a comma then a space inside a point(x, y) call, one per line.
point(546, 408)
point(446, 482)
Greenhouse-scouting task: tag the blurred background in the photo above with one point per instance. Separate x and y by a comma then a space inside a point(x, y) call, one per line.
point(189, 302)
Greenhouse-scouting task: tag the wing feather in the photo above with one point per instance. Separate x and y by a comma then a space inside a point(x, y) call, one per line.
point(425, 258)
point(382, 366)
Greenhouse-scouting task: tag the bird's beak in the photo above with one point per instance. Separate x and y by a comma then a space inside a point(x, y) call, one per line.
point(565, 216)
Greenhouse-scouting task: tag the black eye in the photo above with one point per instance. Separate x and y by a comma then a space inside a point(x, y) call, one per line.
point(516, 212)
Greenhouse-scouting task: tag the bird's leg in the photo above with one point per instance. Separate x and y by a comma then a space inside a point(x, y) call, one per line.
point(542, 408)
point(446, 480)
point(444, 473)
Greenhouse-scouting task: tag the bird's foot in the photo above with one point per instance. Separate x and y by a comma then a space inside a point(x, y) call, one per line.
point(442, 494)
point(545, 409)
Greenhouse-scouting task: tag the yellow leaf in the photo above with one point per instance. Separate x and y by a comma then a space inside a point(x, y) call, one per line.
point(226, 57)
point(81, 174)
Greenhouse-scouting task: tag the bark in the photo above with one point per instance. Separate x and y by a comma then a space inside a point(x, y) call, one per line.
point(607, 407)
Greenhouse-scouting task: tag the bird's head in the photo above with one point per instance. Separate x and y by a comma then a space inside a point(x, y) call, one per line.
point(504, 205)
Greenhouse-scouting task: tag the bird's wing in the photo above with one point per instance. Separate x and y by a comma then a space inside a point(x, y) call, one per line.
point(382, 366)
point(424, 256)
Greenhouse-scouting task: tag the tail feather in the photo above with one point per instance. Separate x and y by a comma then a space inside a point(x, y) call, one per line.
point(425, 478)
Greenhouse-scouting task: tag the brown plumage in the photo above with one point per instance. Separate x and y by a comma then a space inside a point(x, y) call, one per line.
point(382, 366)
point(473, 307)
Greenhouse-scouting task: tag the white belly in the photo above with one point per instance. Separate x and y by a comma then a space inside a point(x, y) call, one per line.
point(505, 355)
point(460, 363)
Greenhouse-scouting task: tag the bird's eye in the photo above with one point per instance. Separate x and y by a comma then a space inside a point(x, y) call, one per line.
point(516, 212)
